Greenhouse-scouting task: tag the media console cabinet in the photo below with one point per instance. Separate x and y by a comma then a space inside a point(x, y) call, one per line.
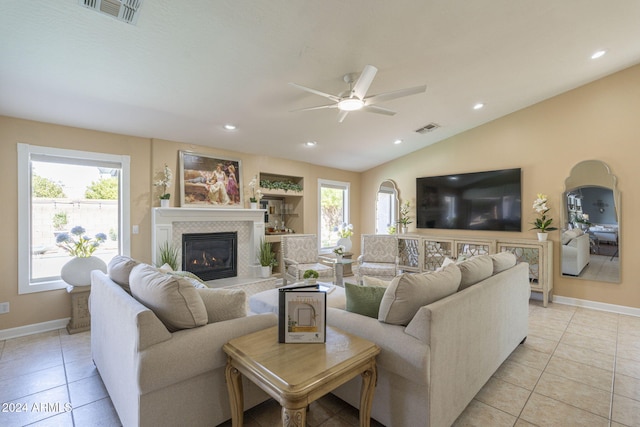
point(418, 253)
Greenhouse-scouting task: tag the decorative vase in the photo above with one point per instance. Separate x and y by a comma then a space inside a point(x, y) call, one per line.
point(404, 229)
point(346, 243)
point(542, 237)
point(77, 272)
point(254, 205)
point(339, 257)
point(164, 203)
point(265, 271)
point(311, 281)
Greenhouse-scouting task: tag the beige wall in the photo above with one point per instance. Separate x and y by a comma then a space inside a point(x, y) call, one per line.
point(147, 159)
point(596, 121)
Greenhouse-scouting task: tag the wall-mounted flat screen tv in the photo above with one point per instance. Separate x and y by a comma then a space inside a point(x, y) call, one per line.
point(470, 201)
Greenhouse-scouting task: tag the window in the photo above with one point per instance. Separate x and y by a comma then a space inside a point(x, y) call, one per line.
point(60, 189)
point(333, 211)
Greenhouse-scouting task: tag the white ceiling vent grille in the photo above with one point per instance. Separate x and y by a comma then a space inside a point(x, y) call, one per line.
point(122, 10)
point(428, 128)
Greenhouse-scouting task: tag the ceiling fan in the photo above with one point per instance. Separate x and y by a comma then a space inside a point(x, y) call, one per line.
point(355, 98)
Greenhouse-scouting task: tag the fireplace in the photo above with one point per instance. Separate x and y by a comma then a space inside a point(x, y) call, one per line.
point(210, 256)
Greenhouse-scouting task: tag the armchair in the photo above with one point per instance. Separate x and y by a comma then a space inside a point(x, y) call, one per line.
point(379, 256)
point(300, 253)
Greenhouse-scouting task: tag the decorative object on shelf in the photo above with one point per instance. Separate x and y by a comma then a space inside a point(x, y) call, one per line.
point(542, 223)
point(169, 255)
point(266, 258)
point(256, 193)
point(77, 272)
point(310, 277)
point(405, 217)
point(339, 251)
point(345, 231)
point(280, 185)
point(165, 182)
point(209, 181)
point(391, 229)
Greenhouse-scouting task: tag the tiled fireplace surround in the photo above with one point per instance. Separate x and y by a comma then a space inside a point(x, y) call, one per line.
point(169, 224)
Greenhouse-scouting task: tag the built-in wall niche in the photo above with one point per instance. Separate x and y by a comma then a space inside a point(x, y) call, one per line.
point(283, 202)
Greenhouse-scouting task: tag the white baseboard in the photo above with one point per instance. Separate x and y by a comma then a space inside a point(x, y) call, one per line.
point(620, 309)
point(36, 328)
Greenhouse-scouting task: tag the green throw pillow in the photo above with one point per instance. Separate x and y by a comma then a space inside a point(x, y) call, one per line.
point(364, 300)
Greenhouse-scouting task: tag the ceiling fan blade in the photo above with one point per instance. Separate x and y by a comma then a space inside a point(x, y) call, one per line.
point(388, 96)
point(378, 110)
point(316, 92)
point(341, 115)
point(361, 86)
point(319, 107)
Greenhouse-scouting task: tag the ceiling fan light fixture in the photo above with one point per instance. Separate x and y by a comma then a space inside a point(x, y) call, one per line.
point(598, 54)
point(350, 104)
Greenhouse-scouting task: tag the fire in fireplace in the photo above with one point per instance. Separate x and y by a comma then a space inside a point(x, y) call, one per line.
point(210, 256)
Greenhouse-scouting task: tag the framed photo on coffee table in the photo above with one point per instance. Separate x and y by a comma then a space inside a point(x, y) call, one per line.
point(210, 181)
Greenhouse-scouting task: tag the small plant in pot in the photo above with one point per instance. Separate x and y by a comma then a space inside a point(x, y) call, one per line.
point(310, 277)
point(267, 258)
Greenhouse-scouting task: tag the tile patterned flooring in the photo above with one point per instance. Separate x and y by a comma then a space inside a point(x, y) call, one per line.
point(578, 367)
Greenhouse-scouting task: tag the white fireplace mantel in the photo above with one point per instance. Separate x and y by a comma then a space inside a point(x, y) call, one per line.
point(163, 220)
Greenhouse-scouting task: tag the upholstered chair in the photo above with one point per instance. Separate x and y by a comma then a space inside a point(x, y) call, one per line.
point(379, 256)
point(300, 253)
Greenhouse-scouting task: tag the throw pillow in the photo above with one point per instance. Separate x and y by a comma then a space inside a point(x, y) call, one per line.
point(224, 304)
point(119, 269)
point(503, 261)
point(364, 300)
point(408, 292)
point(374, 281)
point(474, 270)
point(174, 300)
point(190, 277)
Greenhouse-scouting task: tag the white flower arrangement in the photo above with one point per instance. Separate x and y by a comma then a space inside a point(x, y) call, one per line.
point(165, 182)
point(256, 193)
point(542, 223)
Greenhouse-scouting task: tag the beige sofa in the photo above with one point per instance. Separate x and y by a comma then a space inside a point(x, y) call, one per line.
point(576, 251)
point(430, 369)
point(160, 378)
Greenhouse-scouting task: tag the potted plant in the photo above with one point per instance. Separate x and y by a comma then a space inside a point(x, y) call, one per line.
point(77, 271)
point(266, 258)
point(405, 218)
point(255, 194)
point(339, 251)
point(169, 255)
point(165, 181)
point(310, 277)
point(542, 223)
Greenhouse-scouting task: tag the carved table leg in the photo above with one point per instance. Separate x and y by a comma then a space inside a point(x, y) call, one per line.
point(294, 417)
point(234, 386)
point(369, 379)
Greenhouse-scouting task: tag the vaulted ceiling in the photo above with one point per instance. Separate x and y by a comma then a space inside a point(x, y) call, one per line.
point(185, 69)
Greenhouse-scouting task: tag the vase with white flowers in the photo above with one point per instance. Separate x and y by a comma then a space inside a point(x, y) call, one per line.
point(255, 193)
point(165, 182)
point(77, 272)
point(345, 231)
point(542, 223)
point(405, 217)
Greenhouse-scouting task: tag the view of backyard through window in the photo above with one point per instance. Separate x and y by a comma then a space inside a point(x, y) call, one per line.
point(65, 196)
point(334, 198)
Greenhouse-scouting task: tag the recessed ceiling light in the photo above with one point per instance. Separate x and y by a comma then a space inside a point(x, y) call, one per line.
point(478, 106)
point(230, 126)
point(598, 54)
point(397, 141)
point(310, 143)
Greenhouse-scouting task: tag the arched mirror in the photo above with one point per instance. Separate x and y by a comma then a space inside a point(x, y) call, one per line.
point(386, 207)
point(590, 239)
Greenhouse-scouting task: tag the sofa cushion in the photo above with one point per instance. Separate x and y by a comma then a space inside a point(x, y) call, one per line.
point(364, 300)
point(503, 261)
point(408, 292)
point(173, 299)
point(119, 269)
point(374, 281)
point(190, 277)
point(223, 304)
point(474, 270)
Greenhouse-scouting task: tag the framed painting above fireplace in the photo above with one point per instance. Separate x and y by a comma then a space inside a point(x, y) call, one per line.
point(210, 181)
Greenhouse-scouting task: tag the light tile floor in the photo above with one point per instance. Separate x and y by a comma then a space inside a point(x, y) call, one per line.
point(578, 367)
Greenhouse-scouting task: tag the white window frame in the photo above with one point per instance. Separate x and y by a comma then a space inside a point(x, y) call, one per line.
point(346, 187)
point(25, 153)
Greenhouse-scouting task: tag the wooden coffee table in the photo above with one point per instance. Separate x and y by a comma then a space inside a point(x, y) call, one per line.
point(297, 374)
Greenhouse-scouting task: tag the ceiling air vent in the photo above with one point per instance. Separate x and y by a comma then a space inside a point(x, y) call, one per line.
point(122, 10)
point(428, 128)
